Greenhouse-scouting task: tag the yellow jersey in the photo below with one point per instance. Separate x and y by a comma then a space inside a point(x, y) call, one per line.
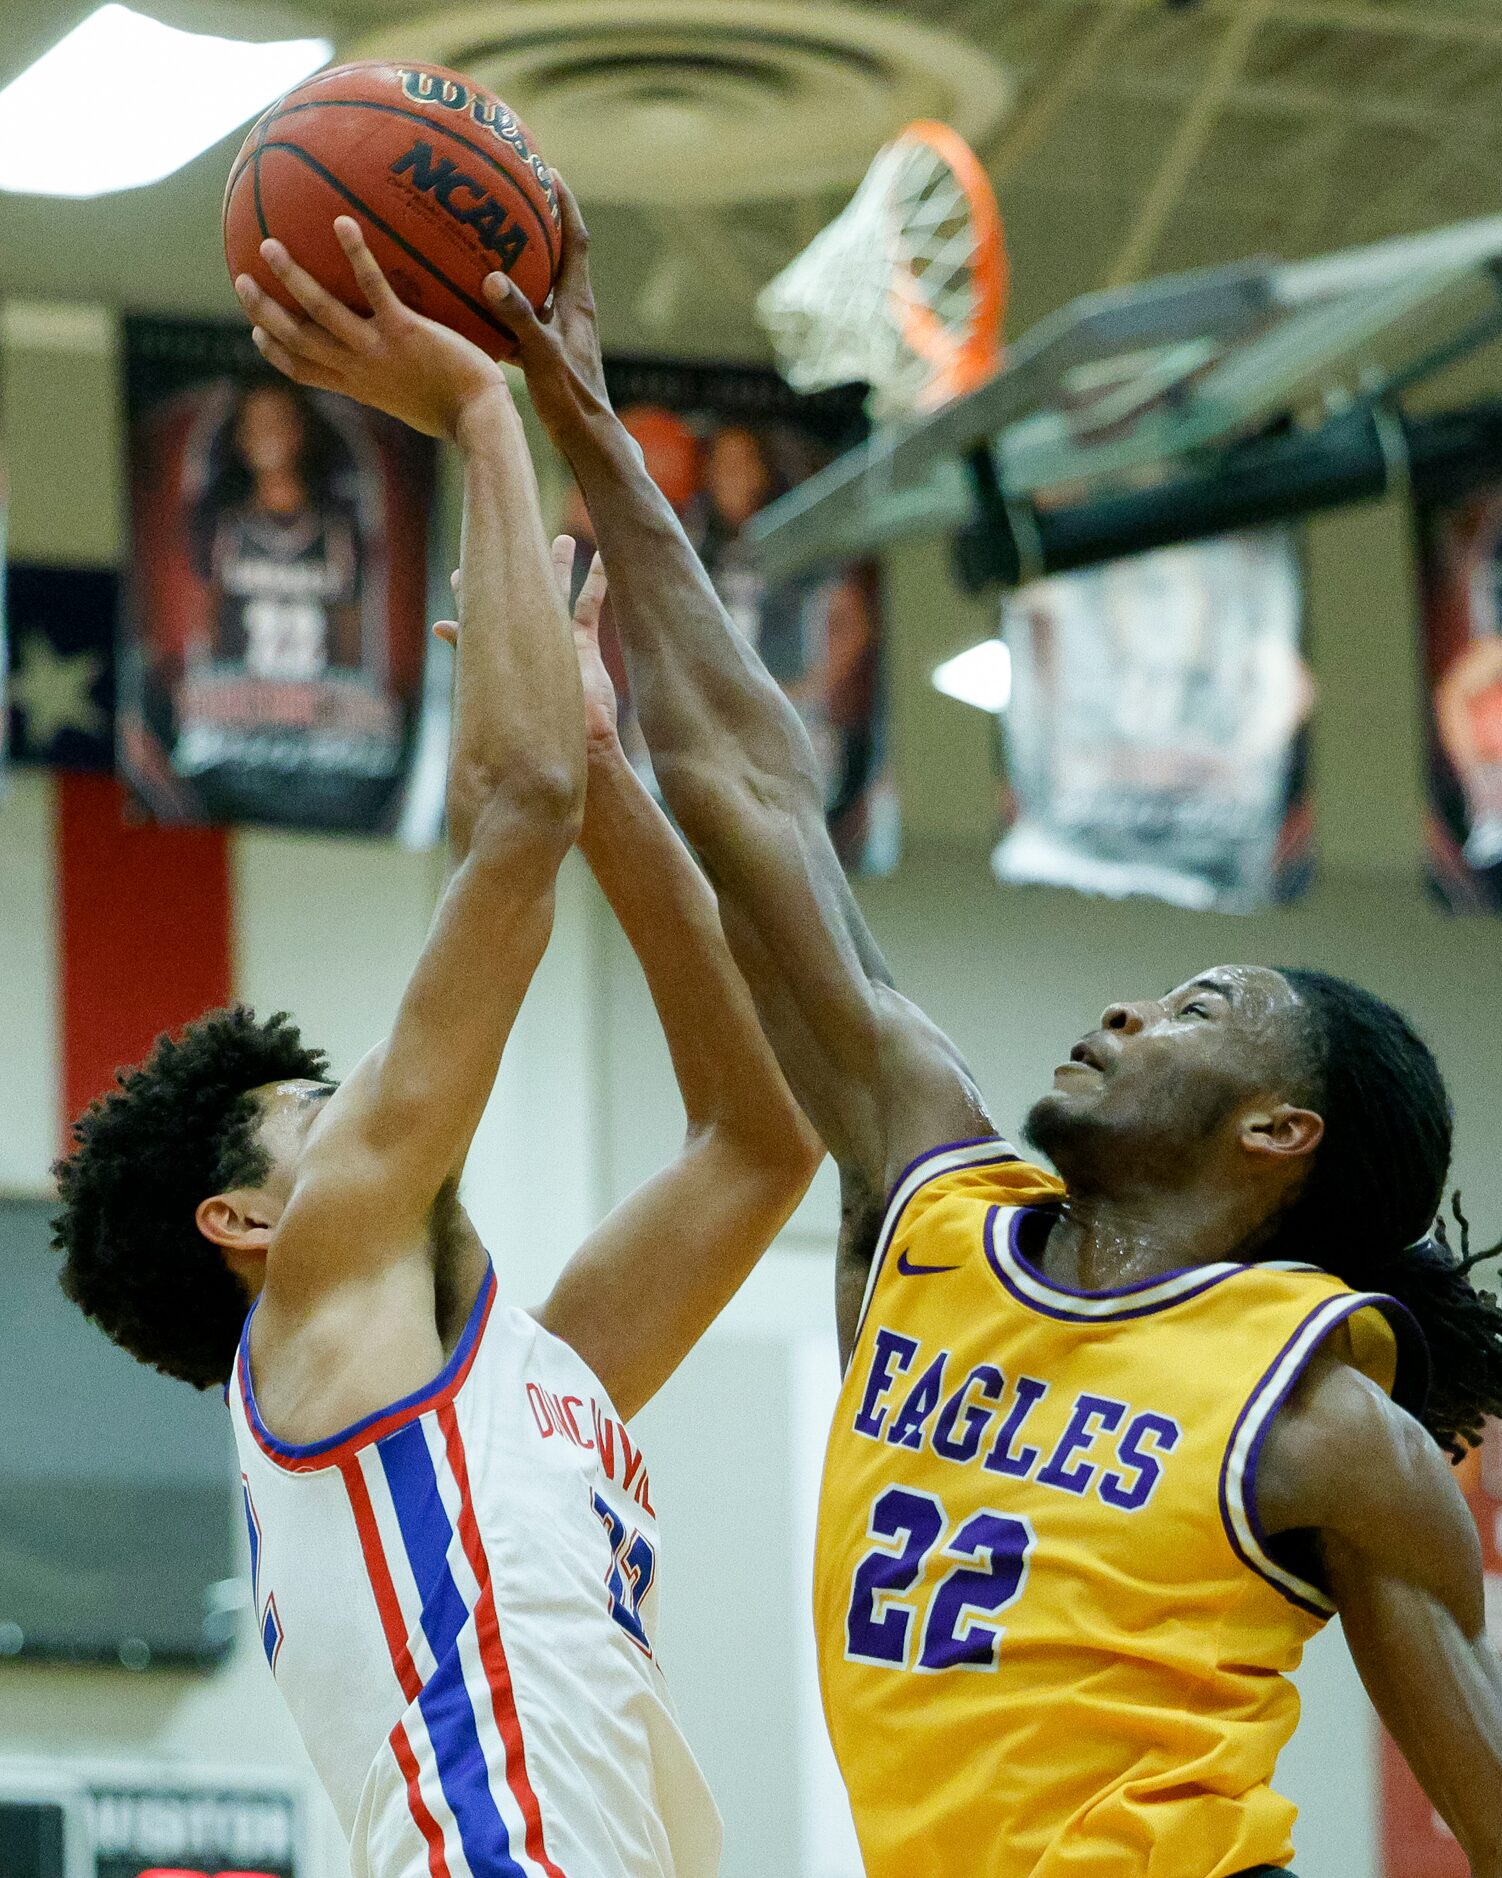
point(1053, 1640)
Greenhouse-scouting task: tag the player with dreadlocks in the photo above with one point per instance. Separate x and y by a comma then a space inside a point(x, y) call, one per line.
point(1370, 1210)
point(1113, 1443)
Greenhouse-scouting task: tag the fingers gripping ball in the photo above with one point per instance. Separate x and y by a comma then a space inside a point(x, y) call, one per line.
point(443, 179)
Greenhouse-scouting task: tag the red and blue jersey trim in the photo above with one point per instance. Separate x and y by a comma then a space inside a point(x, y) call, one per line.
point(437, 1744)
point(307, 1457)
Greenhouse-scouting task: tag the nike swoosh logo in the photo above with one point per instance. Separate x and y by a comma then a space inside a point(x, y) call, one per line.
point(909, 1270)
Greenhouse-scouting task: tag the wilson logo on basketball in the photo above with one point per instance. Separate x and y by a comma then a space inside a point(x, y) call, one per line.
point(441, 178)
point(488, 112)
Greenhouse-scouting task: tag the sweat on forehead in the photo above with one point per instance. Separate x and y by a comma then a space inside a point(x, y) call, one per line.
point(1241, 983)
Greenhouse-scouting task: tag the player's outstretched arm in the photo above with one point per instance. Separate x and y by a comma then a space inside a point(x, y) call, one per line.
point(398, 1128)
point(880, 1083)
point(1403, 1564)
point(650, 1280)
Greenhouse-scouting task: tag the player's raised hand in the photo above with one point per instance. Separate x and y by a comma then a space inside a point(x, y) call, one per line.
point(559, 352)
point(394, 359)
point(599, 686)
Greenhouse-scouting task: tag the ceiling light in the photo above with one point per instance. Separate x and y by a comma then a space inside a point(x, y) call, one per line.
point(982, 676)
point(141, 98)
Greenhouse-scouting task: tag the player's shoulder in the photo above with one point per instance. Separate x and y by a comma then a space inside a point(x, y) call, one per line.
point(941, 1206)
point(1339, 1442)
point(984, 1171)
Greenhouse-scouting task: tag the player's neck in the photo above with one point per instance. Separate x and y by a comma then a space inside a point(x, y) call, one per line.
point(1103, 1241)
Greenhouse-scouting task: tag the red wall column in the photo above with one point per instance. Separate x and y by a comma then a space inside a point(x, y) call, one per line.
point(143, 932)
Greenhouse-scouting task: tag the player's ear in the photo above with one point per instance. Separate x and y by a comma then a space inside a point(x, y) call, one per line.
point(1282, 1131)
point(239, 1222)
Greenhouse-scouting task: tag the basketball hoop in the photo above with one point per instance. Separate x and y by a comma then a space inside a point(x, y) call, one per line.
point(906, 288)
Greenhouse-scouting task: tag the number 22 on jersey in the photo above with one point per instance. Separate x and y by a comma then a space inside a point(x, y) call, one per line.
point(885, 1625)
point(633, 1566)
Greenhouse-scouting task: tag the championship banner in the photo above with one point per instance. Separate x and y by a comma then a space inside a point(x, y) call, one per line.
point(1416, 1842)
point(274, 627)
point(1154, 739)
point(81, 1820)
point(722, 441)
point(1460, 575)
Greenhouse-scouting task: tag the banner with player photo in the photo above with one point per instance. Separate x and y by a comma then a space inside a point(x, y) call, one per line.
point(1154, 740)
point(722, 441)
point(1460, 575)
point(274, 627)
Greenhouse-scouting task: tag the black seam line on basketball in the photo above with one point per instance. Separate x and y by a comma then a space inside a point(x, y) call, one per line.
point(475, 306)
point(255, 175)
point(246, 162)
point(430, 123)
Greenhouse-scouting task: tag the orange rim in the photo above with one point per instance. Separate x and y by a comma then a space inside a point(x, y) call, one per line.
point(962, 359)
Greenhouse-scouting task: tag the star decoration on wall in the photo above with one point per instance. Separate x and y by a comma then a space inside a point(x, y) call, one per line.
point(53, 691)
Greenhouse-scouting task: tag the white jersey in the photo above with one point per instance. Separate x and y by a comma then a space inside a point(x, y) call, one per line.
point(456, 1597)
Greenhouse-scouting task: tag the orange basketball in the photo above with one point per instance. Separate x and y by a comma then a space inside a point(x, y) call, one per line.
point(443, 179)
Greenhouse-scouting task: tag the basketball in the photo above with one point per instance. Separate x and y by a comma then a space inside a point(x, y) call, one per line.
point(443, 179)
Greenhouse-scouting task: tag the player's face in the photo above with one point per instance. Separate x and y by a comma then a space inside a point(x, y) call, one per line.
point(270, 431)
point(1163, 1083)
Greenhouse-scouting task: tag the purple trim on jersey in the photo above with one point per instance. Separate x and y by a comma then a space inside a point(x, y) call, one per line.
point(1404, 1328)
point(1005, 1155)
point(404, 1410)
point(1005, 1152)
point(445, 1701)
point(1217, 1276)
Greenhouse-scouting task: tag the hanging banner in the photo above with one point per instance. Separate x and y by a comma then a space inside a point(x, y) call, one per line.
point(274, 630)
point(1460, 574)
point(722, 441)
point(1153, 741)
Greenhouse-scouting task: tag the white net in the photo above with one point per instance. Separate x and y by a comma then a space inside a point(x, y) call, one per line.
point(888, 291)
